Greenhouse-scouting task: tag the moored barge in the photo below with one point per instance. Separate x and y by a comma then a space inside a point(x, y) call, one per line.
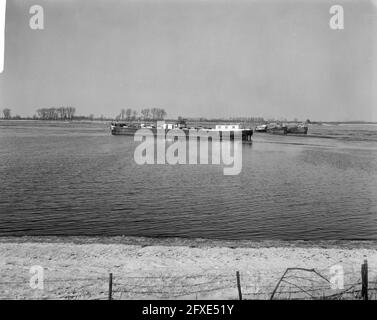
point(224, 130)
point(283, 129)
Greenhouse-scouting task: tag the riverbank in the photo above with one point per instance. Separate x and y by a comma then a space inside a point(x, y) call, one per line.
point(145, 268)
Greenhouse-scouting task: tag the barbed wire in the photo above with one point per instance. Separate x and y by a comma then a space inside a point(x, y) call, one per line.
point(177, 285)
point(177, 294)
point(26, 281)
point(293, 284)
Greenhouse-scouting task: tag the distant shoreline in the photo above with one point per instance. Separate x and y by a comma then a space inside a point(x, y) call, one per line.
point(189, 120)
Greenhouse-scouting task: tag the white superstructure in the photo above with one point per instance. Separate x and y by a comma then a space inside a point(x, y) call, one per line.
point(228, 127)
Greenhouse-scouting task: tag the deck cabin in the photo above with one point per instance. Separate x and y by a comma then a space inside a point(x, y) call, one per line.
point(228, 127)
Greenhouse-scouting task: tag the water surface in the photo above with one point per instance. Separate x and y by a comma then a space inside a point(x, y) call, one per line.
point(77, 179)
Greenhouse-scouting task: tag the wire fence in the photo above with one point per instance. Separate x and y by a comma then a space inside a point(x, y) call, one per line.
point(293, 283)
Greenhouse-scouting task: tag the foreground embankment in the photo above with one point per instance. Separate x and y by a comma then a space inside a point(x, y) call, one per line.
point(142, 268)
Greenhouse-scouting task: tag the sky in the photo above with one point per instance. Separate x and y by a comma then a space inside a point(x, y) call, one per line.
point(197, 58)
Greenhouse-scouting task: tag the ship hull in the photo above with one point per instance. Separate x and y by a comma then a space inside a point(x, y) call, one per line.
point(280, 130)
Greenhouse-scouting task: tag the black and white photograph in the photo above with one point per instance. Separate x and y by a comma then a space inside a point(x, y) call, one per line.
point(207, 151)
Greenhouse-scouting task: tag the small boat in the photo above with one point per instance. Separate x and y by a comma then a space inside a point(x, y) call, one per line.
point(274, 128)
point(261, 128)
point(297, 129)
point(279, 128)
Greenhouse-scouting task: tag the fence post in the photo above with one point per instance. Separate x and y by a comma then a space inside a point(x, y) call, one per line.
point(364, 280)
point(110, 286)
point(239, 285)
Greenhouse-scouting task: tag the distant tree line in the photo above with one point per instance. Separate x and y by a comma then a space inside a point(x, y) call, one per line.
point(7, 113)
point(152, 114)
point(145, 114)
point(62, 113)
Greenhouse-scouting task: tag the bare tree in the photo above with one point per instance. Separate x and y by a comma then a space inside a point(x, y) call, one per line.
point(40, 113)
point(128, 113)
point(7, 113)
point(145, 113)
point(122, 113)
point(71, 112)
point(134, 115)
point(158, 114)
point(62, 113)
point(162, 114)
point(154, 112)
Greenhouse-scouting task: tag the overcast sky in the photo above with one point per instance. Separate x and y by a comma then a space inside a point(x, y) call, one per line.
point(194, 58)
